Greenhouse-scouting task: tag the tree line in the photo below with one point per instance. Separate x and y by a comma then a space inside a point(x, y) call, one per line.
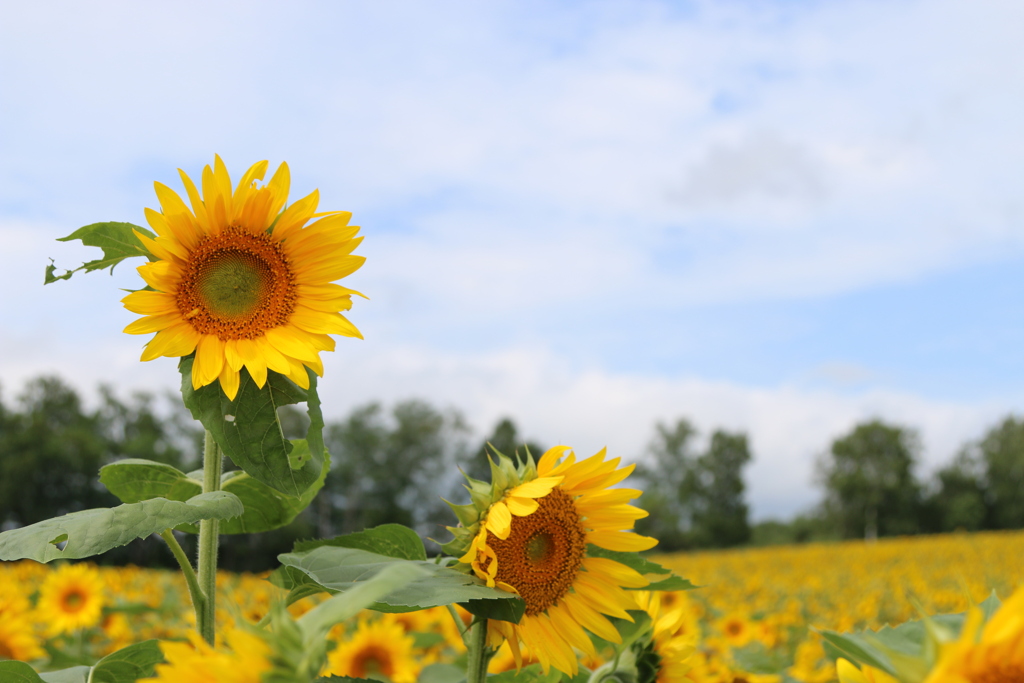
point(395, 465)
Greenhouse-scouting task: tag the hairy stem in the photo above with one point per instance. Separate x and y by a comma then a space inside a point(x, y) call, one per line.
point(479, 654)
point(208, 538)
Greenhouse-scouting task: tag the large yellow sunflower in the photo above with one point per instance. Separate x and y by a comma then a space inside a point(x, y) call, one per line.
point(247, 660)
point(71, 598)
point(530, 537)
point(380, 647)
point(242, 280)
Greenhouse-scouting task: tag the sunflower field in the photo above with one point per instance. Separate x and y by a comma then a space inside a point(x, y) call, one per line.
point(543, 576)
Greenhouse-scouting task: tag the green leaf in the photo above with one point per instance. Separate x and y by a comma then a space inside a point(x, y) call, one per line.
point(91, 532)
point(134, 479)
point(129, 664)
point(661, 578)
point(391, 540)
point(117, 240)
point(502, 610)
point(249, 432)
point(13, 671)
point(76, 674)
point(755, 658)
point(387, 580)
point(441, 673)
point(528, 674)
point(338, 570)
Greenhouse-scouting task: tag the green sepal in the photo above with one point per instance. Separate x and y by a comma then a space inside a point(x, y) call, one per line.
point(248, 429)
point(133, 480)
point(661, 578)
point(480, 494)
point(468, 515)
point(117, 240)
point(91, 532)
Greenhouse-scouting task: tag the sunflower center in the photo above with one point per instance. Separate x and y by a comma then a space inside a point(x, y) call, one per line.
point(372, 660)
point(73, 601)
point(543, 552)
point(236, 285)
point(997, 672)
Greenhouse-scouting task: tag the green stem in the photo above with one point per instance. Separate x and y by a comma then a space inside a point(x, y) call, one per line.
point(186, 568)
point(208, 538)
point(479, 654)
point(458, 624)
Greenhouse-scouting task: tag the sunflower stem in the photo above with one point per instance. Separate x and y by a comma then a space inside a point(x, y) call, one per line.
point(479, 654)
point(194, 591)
point(208, 540)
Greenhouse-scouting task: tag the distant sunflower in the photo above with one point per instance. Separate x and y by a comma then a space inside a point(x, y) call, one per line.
point(244, 659)
point(18, 640)
point(377, 647)
point(242, 281)
point(528, 532)
point(71, 598)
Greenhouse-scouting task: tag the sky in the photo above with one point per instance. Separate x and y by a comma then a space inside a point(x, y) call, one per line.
point(775, 217)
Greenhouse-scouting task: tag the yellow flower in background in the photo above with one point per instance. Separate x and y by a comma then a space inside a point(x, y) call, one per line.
point(18, 639)
point(243, 281)
point(71, 598)
point(245, 660)
point(379, 647)
point(993, 654)
point(848, 673)
point(672, 649)
point(532, 540)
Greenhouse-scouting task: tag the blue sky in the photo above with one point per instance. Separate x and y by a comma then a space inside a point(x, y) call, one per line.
point(776, 217)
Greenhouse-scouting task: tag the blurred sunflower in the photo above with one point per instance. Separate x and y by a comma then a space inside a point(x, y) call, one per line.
point(245, 659)
point(666, 658)
point(18, 639)
point(380, 647)
point(848, 673)
point(71, 598)
point(242, 281)
point(527, 532)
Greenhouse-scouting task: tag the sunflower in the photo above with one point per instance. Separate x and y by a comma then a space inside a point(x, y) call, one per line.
point(737, 628)
point(528, 533)
point(245, 659)
point(848, 673)
point(18, 640)
point(71, 598)
point(993, 654)
point(242, 281)
point(379, 647)
point(669, 651)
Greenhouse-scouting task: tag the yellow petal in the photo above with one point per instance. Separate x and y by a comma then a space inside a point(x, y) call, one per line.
point(548, 460)
point(848, 673)
point(290, 344)
point(254, 362)
point(320, 322)
point(591, 619)
point(177, 340)
point(296, 215)
point(621, 540)
point(279, 186)
point(208, 361)
point(229, 381)
point(330, 271)
point(571, 630)
point(499, 520)
point(198, 208)
point(145, 302)
point(153, 323)
point(618, 572)
point(521, 507)
point(536, 488)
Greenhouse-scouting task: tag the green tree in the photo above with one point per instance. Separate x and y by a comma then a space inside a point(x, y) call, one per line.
point(50, 452)
point(667, 476)
point(720, 513)
point(1001, 451)
point(958, 500)
point(869, 482)
point(391, 470)
point(506, 439)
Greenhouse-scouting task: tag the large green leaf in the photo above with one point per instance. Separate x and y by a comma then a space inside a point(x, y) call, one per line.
point(392, 540)
point(249, 431)
point(91, 532)
point(117, 240)
point(661, 578)
point(18, 672)
point(338, 570)
point(905, 651)
point(127, 665)
point(134, 479)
